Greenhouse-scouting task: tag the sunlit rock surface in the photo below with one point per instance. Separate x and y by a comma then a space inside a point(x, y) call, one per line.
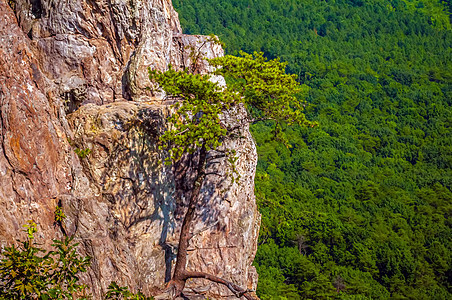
point(73, 76)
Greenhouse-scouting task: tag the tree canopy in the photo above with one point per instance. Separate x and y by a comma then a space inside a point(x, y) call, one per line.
point(262, 86)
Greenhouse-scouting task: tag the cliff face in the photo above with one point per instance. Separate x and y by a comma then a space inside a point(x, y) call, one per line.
point(73, 76)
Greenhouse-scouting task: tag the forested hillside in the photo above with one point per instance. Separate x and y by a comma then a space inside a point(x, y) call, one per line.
point(359, 207)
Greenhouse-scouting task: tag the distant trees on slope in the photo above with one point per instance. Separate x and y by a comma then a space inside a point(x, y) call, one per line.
point(361, 206)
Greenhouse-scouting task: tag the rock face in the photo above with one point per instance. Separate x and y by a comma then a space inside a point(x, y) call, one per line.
point(73, 76)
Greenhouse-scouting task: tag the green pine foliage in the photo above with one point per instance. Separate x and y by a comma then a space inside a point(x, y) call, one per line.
point(196, 120)
point(359, 207)
point(261, 85)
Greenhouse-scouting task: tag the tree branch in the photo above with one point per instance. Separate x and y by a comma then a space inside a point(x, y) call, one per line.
point(182, 132)
point(238, 291)
point(213, 173)
point(255, 120)
point(215, 156)
point(219, 151)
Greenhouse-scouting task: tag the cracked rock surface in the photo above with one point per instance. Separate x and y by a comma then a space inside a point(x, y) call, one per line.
point(74, 77)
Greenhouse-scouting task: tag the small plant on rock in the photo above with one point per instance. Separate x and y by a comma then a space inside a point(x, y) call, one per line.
point(116, 292)
point(29, 272)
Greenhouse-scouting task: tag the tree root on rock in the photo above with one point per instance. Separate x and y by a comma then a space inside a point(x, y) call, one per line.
point(175, 286)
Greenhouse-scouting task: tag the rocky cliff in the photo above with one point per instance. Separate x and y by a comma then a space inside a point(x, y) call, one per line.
point(73, 77)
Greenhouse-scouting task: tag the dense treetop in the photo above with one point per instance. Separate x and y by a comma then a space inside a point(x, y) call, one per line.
point(359, 207)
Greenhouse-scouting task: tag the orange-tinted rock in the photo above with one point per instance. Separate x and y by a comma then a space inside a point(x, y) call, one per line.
point(68, 73)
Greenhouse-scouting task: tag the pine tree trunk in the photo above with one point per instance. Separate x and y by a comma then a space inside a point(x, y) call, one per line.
point(180, 272)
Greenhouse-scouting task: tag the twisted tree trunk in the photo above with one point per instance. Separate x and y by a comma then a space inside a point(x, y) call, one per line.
point(181, 275)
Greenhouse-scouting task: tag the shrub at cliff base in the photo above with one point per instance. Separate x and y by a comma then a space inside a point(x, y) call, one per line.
point(29, 272)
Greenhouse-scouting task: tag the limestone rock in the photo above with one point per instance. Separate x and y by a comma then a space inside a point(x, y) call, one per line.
point(73, 78)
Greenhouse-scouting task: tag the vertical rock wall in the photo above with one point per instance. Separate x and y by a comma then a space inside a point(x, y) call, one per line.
point(73, 75)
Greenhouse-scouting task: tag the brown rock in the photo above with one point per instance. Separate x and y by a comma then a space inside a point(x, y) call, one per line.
point(67, 69)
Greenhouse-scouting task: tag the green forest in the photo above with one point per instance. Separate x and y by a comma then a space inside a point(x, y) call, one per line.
point(360, 206)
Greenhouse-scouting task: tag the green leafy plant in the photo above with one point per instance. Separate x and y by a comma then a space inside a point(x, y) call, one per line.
point(116, 292)
point(12, 4)
point(59, 214)
point(82, 153)
point(29, 272)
